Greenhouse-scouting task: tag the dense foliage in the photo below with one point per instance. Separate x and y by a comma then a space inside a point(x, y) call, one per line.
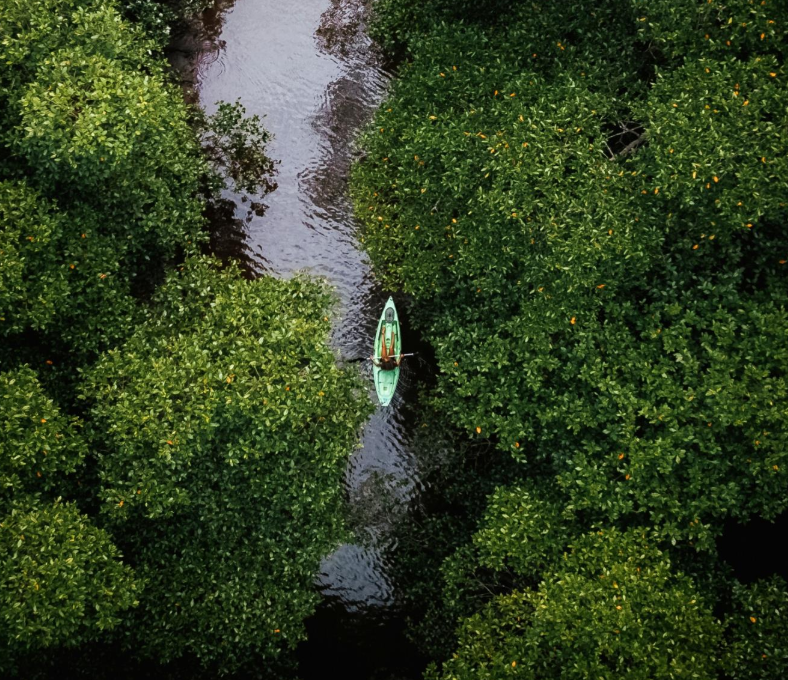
point(758, 631)
point(159, 16)
point(221, 427)
point(172, 435)
point(61, 581)
point(38, 443)
point(615, 597)
point(102, 172)
point(587, 201)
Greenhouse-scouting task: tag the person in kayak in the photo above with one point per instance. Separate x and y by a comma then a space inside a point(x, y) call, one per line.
point(387, 361)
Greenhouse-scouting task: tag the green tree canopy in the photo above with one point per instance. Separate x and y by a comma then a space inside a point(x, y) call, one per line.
point(523, 531)
point(587, 202)
point(716, 149)
point(33, 30)
point(61, 579)
point(613, 608)
point(91, 119)
point(113, 138)
point(33, 278)
point(757, 631)
point(62, 276)
point(677, 30)
point(600, 256)
point(37, 442)
point(217, 420)
point(222, 427)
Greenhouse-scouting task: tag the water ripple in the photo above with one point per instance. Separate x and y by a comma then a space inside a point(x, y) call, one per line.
point(315, 96)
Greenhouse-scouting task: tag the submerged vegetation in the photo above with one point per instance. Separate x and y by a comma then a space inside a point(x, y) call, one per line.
point(587, 202)
point(172, 435)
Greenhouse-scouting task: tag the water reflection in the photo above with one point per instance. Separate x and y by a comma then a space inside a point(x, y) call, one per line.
point(195, 43)
point(346, 575)
point(313, 74)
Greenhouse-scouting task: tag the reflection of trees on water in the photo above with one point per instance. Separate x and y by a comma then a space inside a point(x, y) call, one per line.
point(348, 103)
point(195, 42)
point(228, 233)
point(343, 28)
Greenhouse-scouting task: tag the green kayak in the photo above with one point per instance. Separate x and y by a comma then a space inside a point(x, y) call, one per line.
point(386, 381)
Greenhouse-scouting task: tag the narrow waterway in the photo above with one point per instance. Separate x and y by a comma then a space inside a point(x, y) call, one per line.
point(309, 69)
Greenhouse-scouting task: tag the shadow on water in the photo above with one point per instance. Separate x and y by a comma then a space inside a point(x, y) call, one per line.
point(360, 626)
point(362, 646)
point(194, 43)
point(227, 236)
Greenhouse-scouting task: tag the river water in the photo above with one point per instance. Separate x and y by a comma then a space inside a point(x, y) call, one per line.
point(309, 69)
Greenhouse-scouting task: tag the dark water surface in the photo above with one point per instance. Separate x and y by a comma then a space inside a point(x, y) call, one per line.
point(308, 68)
